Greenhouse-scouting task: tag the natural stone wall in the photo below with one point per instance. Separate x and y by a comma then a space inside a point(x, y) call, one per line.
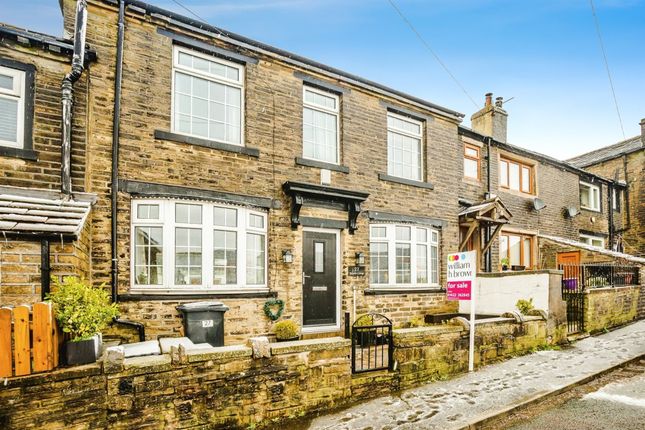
point(226, 387)
point(436, 352)
point(610, 307)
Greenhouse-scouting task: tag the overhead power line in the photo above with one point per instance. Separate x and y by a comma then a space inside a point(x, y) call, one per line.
point(604, 56)
point(434, 54)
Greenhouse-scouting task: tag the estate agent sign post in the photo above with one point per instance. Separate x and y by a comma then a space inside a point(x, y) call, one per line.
point(462, 274)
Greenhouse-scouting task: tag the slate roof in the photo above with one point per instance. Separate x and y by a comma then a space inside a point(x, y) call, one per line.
point(608, 152)
point(591, 248)
point(31, 211)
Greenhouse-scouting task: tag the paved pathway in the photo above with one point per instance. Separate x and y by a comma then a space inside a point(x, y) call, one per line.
point(457, 402)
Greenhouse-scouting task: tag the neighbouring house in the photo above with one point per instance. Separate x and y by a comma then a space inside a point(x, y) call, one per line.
point(44, 206)
point(222, 168)
point(624, 162)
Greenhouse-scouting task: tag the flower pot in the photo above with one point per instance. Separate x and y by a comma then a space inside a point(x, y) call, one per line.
point(504, 268)
point(83, 351)
point(289, 339)
point(518, 268)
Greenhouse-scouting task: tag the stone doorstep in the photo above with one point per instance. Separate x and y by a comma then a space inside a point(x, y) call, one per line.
point(278, 348)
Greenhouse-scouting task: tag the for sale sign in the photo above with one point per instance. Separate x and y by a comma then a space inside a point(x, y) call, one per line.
point(462, 269)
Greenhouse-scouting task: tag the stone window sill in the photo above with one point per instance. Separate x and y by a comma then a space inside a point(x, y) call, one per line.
point(143, 297)
point(321, 165)
point(207, 143)
point(395, 291)
point(419, 184)
point(25, 154)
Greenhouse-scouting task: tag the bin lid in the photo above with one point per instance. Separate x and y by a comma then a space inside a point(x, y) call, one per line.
point(202, 306)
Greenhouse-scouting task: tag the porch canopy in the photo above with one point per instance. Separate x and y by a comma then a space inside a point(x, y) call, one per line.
point(488, 213)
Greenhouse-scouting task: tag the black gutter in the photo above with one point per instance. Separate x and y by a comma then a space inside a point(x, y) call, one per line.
point(114, 188)
point(43, 41)
point(253, 44)
point(67, 95)
point(488, 258)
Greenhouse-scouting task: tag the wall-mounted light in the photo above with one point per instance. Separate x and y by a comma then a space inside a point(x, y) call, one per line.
point(360, 258)
point(287, 256)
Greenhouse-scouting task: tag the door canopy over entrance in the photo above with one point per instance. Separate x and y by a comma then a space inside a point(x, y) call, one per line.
point(489, 213)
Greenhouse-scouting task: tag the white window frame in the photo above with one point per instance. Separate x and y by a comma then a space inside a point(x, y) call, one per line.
point(407, 134)
point(167, 222)
point(335, 112)
point(176, 67)
point(588, 239)
point(595, 204)
point(17, 93)
point(433, 241)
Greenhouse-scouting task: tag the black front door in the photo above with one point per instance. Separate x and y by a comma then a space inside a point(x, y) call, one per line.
point(319, 279)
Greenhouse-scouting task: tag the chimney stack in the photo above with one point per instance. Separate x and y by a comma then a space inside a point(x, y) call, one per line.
point(491, 120)
point(643, 131)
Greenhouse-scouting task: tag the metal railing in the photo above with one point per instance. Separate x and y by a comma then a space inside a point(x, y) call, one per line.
point(586, 276)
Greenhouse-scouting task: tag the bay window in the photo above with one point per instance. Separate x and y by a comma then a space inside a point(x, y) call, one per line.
point(207, 97)
point(403, 255)
point(181, 246)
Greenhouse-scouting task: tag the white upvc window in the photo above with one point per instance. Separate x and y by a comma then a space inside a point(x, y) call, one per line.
point(589, 196)
point(592, 240)
point(404, 147)
point(182, 246)
point(320, 125)
point(12, 107)
point(207, 97)
point(403, 255)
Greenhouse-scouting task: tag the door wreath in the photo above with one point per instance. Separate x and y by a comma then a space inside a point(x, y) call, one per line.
point(270, 308)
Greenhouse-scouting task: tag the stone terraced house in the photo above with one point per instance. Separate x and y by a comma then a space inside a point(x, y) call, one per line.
point(221, 168)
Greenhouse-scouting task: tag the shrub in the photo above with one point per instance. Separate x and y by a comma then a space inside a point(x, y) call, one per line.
point(505, 262)
point(286, 329)
point(80, 309)
point(524, 306)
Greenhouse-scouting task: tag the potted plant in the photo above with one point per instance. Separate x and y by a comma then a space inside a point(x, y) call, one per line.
point(505, 263)
point(366, 335)
point(82, 311)
point(286, 330)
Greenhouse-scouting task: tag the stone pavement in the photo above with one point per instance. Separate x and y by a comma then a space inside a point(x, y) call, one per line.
point(460, 401)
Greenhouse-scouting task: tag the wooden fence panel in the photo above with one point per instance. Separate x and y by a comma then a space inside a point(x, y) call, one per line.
point(29, 340)
point(6, 359)
point(21, 349)
point(42, 337)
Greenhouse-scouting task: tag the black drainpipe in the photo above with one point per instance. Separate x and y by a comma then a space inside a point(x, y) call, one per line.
point(610, 210)
point(67, 96)
point(45, 272)
point(115, 170)
point(487, 258)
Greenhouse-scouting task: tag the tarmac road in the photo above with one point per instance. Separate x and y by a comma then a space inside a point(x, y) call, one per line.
point(618, 405)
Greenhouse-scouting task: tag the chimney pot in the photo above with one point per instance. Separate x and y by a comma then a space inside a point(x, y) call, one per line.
point(499, 101)
point(489, 99)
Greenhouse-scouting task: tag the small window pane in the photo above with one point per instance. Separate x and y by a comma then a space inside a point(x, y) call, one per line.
point(422, 264)
point(148, 255)
point(527, 252)
point(514, 250)
point(319, 257)
point(514, 176)
point(224, 257)
point(255, 259)
point(378, 263)
point(378, 231)
point(8, 119)
point(148, 211)
point(503, 173)
point(226, 217)
point(470, 168)
point(435, 237)
point(402, 233)
point(6, 82)
point(434, 261)
point(422, 235)
point(403, 263)
point(256, 221)
point(526, 179)
point(470, 152)
point(188, 256)
point(188, 214)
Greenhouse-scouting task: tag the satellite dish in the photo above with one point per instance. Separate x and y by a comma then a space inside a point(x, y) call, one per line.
point(571, 211)
point(538, 204)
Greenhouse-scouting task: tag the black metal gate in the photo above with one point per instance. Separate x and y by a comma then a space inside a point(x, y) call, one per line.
point(372, 345)
point(573, 292)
